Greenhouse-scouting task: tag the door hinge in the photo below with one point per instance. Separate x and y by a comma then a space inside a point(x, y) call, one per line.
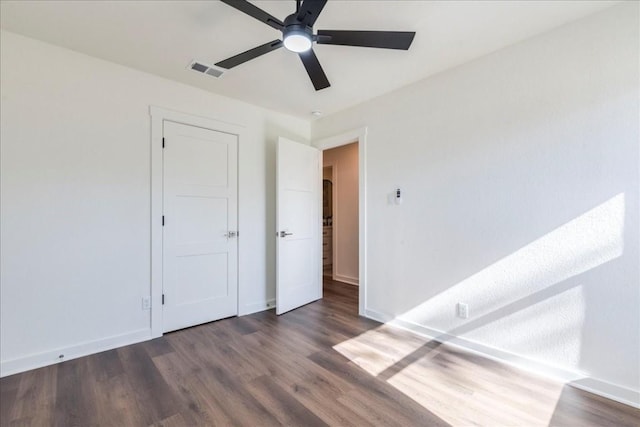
point(163, 142)
point(162, 299)
point(163, 220)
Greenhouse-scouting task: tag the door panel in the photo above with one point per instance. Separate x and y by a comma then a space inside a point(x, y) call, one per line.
point(298, 269)
point(200, 208)
point(196, 219)
point(201, 277)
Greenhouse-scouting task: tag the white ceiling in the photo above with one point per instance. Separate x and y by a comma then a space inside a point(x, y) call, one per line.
point(162, 37)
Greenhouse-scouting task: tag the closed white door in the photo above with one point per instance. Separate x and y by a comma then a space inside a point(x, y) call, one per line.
point(298, 264)
point(200, 243)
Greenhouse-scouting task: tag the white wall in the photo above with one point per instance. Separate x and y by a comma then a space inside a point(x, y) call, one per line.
point(75, 182)
point(520, 180)
point(344, 160)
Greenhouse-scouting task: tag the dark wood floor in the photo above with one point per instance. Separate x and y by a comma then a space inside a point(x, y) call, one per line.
point(318, 365)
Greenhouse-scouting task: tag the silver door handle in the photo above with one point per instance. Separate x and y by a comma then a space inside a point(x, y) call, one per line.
point(285, 234)
point(230, 234)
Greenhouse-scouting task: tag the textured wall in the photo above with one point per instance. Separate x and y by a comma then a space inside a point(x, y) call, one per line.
point(520, 179)
point(76, 193)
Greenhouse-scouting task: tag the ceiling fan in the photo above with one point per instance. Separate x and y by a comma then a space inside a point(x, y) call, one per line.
point(297, 36)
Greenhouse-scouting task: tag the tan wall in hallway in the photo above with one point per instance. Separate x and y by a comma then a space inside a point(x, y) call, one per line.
point(326, 173)
point(345, 211)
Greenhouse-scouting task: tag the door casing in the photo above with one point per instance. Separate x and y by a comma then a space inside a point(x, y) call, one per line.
point(360, 136)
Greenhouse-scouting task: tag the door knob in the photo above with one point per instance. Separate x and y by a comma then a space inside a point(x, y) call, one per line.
point(285, 234)
point(230, 234)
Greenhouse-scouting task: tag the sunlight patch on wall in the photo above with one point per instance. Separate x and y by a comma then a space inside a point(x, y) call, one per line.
point(557, 335)
point(582, 244)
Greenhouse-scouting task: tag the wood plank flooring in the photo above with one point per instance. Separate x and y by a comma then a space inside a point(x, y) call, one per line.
point(315, 366)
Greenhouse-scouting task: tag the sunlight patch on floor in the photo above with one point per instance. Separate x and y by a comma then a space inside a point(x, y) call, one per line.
point(363, 350)
point(440, 378)
point(485, 396)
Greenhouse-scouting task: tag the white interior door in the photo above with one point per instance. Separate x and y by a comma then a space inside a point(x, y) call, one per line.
point(298, 259)
point(200, 207)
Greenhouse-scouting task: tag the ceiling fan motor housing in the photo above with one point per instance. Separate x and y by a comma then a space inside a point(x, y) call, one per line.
point(291, 24)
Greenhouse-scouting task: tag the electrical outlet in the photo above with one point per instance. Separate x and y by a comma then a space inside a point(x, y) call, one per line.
point(463, 310)
point(146, 303)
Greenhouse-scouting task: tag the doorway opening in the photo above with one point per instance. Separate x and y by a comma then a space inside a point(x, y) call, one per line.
point(327, 221)
point(359, 136)
point(340, 218)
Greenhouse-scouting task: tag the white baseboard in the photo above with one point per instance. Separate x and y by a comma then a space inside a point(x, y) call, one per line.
point(46, 358)
point(257, 307)
point(346, 279)
point(572, 378)
point(608, 390)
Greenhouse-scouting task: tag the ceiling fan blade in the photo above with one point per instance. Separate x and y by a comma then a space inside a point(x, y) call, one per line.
point(314, 69)
point(255, 12)
point(250, 54)
point(310, 10)
point(380, 39)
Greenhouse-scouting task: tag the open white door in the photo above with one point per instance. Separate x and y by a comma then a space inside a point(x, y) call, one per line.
point(298, 260)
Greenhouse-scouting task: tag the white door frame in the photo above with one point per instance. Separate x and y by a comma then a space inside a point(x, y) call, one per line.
point(360, 136)
point(158, 116)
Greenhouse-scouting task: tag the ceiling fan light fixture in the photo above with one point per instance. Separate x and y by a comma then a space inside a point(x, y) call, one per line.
point(298, 37)
point(297, 41)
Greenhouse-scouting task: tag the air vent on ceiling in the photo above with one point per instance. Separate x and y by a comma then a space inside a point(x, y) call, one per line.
point(206, 69)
